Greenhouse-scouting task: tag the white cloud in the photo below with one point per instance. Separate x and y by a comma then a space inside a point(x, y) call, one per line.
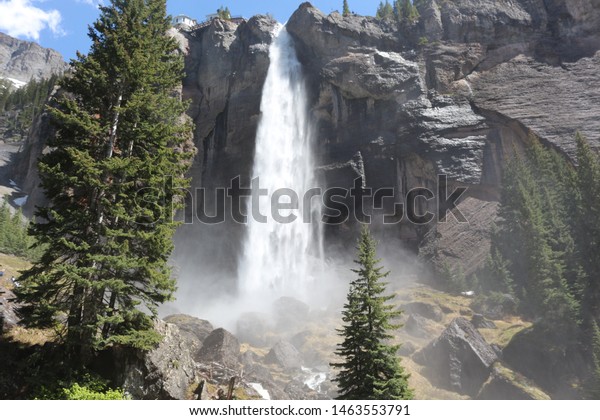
point(94, 3)
point(20, 18)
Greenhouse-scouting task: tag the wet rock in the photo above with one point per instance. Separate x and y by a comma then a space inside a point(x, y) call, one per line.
point(285, 355)
point(220, 346)
point(254, 328)
point(297, 390)
point(459, 359)
point(289, 313)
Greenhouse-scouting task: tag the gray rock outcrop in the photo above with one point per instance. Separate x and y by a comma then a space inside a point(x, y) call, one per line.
point(505, 384)
point(455, 94)
point(192, 329)
point(23, 60)
point(220, 346)
point(459, 359)
point(284, 354)
point(167, 372)
point(8, 310)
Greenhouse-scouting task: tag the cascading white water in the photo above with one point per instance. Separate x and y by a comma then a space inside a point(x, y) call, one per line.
point(276, 256)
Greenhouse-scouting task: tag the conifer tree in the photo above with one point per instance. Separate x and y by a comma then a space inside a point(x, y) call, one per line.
point(385, 11)
point(405, 12)
point(346, 9)
point(533, 242)
point(594, 386)
point(224, 13)
point(370, 369)
point(108, 226)
point(587, 222)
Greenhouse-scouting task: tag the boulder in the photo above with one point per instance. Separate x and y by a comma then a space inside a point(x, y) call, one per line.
point(167, 372)
point(222, 347)
point(285, 355)
point(194, 328)
point(297, 390)
point(254, 328)
point(459, 359)
point(300, 339)
point(550, 357)
point(479, 321)
point(505, 384)
point(8, 310)
point(424, 309)
point(289, 313)
point(416, 325)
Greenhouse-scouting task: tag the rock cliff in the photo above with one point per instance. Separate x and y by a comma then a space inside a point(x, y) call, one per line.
point(454, 94)
point(23, 60)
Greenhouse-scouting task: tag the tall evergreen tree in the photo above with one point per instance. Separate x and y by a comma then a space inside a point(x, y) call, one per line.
point(370, 370)
point(587, 225)
point(385, 11)
point(224, 13)
point(405, 11)
point(108, 227)
point(346, 9)
point(532, 241)
point(594, 386)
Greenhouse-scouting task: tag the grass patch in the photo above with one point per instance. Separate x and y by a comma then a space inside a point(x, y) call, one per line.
point(506, 330)
point(30, 336)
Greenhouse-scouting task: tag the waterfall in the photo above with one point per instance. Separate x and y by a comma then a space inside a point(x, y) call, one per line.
point(276, 256)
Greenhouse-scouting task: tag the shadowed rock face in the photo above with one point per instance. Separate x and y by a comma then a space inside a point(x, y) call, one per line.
point(459, 359)
point(167, 372)
point(220, 346)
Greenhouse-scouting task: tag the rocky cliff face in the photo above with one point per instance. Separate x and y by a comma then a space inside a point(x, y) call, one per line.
point(455, 94)
point(23, 60)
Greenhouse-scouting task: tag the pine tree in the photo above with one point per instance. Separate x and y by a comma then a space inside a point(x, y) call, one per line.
point(224, 13)
point(587, 225)
point(370, 370)
point(385, 11)
point(346, 9)
point(405, 12)
point(594, 386)
point(532, 241)
point(108, 227)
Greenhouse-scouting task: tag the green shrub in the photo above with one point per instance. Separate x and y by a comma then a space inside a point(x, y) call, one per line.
point(85, 386)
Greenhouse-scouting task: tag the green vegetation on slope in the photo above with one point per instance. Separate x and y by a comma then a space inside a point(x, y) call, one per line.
point(545, 250)
point(20, 107)
point(14, 238)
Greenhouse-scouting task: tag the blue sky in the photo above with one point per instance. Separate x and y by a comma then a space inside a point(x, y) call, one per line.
point(62, 24)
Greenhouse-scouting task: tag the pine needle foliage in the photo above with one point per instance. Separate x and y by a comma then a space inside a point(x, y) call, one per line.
point(370, 370)
point(112, 177)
